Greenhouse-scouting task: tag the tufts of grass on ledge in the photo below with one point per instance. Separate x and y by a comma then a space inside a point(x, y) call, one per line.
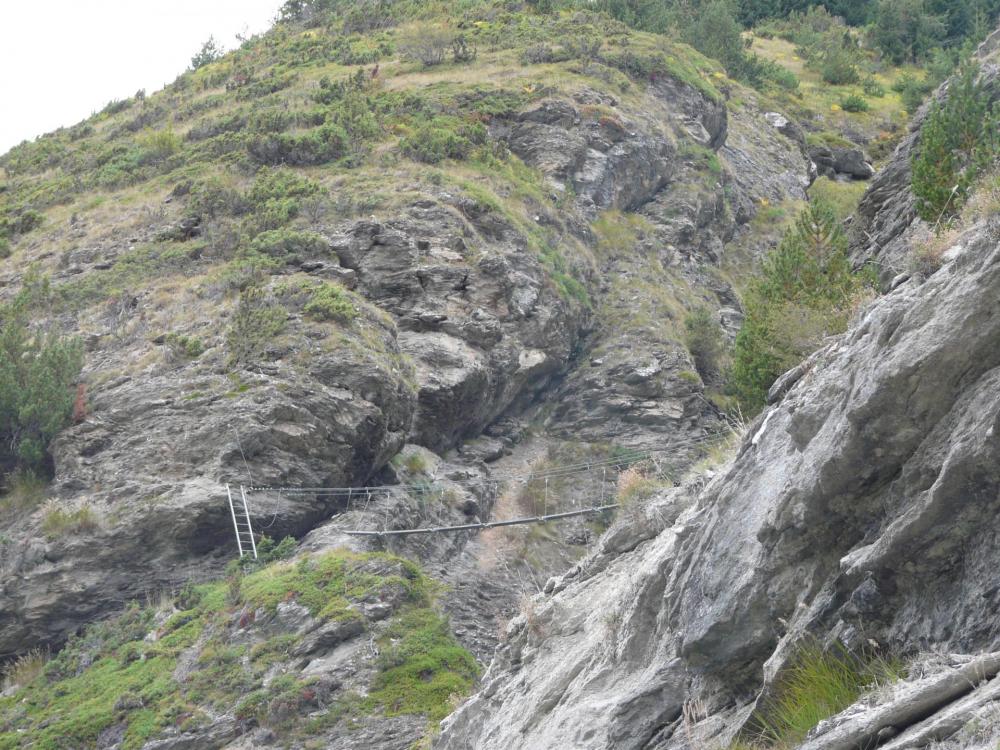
point(818, 684)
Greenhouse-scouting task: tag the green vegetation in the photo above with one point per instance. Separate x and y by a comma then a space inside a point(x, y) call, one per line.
point(24, 490)
point(58, 522)
point(958, 141)
point(854, 103)
point(842, 196)
point(114, 675)
point(257, 320)
point(210, 52)
point(704, 339)
point(421, 667)
point(184, 347)
point(806, 292)
point(37, 373)
point(440, 138)
point(818, 684)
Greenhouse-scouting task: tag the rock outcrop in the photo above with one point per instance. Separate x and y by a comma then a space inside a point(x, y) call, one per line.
point(861, 508)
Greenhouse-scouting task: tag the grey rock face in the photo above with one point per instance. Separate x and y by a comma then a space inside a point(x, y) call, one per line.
point(863, 505)
point(850, 162)
point(456, 323)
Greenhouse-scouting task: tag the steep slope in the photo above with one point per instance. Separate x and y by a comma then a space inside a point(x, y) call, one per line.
point(861, 508)
point(291, 271)
point(244, 323)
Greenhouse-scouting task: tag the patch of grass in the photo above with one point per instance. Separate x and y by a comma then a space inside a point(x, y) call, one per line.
point(325, 584)
point(115, 673)
point(415, 463)
point(842, 196)
point(422, 669)
point(25, 668)
point(58, 522)
point(24, 490)
point(634, 486)
point(816, 685)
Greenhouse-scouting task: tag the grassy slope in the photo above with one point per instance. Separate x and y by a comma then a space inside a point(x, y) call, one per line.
point(181, 662)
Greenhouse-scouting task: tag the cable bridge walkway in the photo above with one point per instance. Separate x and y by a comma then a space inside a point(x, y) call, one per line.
point(240, 505)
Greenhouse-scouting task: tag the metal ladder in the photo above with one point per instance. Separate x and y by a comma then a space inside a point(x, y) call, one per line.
point(241, 523)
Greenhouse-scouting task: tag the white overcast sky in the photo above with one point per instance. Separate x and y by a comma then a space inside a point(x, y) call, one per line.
point(61, 60)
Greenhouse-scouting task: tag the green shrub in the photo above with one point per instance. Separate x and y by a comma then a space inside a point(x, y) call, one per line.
point(320, 145)
point(328, 301)
point(289, 243)
point(806, 292)
point(187, 347)
point(37, 372)
point(704, 339)
point(4, 247)
point(19, 221)
point(426, 45)
point(275, 184)
point(158, 145)
point(257, 320)
point(854, 103)
point(958, 141)
point(213, 197)
point(836, 65)
point(785, 78)
point(443, 137)
point(872, 87)
point(912, 91)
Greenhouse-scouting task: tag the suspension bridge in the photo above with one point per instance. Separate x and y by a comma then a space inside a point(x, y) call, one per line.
point(600, 489)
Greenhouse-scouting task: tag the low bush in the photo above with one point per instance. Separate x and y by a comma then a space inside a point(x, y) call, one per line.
point(210, 52)
point(704, 339)
point(872, 87)
point(320, 145)
point(257, 320)
point(443, 137)
point(912, 91)
point(836, 65)
point(184, 347)
point(19, 221)
point(158, 145)
point(425, 44)
point(854, 103)
point(288, 244)
point(275, 184)
point(321, 301)
point(213, 197)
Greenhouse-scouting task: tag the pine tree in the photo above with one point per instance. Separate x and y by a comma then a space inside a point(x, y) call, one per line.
point(805, 293)
point(957, 141)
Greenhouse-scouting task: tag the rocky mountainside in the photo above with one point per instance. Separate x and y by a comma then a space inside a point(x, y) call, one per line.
point(461, 287)
point(860, 509)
